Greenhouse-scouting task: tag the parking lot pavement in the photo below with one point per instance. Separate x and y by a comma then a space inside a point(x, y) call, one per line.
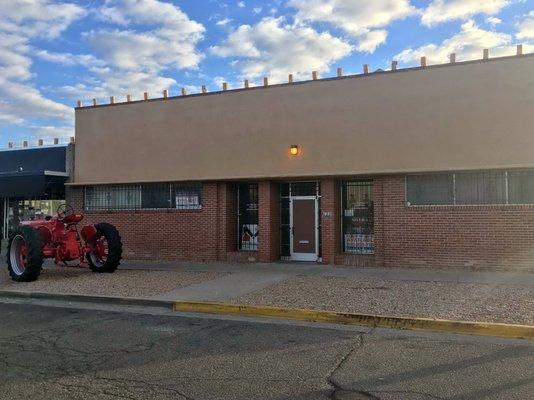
point(75, 353)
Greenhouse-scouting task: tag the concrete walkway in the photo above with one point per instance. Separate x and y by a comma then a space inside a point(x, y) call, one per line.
point(226, 287)
point(242, 279)
point(266, 271)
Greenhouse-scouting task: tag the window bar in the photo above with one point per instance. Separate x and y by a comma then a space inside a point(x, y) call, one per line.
point(506, 187)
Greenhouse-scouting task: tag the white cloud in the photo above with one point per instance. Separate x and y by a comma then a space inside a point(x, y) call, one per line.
point(273, 49)
point(150, 38)
point(447, 10)
point(371, 40)
point(21, 101)
point(22, 21)
point(467, 44)
point(38, 17)
point(223, 22)
point(106, 82)
point(241, 4)
point(48, 132)
point(169, 42)
point(526, 27)
point(69, 60)
point(362, 19)
point(493, 21)
point(257, 10)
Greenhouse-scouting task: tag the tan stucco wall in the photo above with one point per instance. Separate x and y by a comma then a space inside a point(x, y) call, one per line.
point(472, 115)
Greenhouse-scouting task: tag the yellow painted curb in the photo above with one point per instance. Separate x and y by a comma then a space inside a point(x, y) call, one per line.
point(375, 321)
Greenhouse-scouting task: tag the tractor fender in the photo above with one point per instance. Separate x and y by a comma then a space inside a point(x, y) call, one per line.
point(88, 233)
point(46, 234)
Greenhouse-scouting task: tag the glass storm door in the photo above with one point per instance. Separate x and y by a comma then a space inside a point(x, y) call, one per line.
point(304, 228)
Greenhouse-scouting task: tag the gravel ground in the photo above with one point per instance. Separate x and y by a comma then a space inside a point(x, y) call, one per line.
point(468, 302)
point(125, 283)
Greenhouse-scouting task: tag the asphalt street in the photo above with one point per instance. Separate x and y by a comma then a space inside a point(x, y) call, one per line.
point(87, 353)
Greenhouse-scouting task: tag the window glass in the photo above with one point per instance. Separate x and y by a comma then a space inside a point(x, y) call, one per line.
point(303, 188)
point(145, 196)
point(285, 224)
point(430, 189)
point(521, 187)
point(481, 187)
point(247, 216)
point(358, 217)
point(113, 197)
point(127, 197)
point(187, 196)
point(156, 196)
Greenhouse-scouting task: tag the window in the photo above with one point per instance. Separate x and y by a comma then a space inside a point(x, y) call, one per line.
point(430, 189)
point(358, 217)
point(471, 188)
point(480, 187)
point(156, 196)
point(113, 197)
point(521, 187)
point(145, 196)
point(247, 216)
point(187, 196)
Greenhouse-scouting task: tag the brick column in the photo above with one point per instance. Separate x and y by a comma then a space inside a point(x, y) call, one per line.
point(226, 203)
point(330, 220)
point(269, 221)
point(379, 222)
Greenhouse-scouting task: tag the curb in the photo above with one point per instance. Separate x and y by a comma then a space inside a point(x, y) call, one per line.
point(89, 299)
point(374, 321)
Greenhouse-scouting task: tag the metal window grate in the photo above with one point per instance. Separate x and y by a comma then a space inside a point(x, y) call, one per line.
point(480, 187)
point(247, 216)
point(153, 196)
point(358, 217)
point(492, 187)
point(187, 196)
point(430, 189)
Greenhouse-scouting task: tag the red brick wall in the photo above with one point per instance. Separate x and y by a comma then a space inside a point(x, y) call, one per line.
point(269, 221)
point(483, 236)
point(480, 236)
point(330, 217)
point(436, 236)
point(197, 235)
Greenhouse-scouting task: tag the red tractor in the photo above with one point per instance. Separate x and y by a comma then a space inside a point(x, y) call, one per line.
point(57, 237)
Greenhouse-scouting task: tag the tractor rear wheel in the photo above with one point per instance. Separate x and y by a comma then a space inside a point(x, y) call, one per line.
point(107, 252)
point(25, 254)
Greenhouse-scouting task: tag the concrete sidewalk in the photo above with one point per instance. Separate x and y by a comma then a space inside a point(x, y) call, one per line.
point(453, 294)
point(456, 275)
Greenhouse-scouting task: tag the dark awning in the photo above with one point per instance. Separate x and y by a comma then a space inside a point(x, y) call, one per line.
point(33, 159)
point(32, 185)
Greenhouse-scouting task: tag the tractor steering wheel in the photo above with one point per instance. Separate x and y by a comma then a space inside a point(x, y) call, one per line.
point(63, 211)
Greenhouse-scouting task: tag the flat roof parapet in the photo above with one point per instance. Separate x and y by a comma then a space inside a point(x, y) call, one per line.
point(314, 78)
point(26, 144)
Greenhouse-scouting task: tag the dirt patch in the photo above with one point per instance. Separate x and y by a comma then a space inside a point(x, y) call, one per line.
point(127, 283)
point(445, 300)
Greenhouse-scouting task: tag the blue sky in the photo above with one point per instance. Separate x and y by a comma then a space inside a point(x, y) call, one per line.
point(55, 52)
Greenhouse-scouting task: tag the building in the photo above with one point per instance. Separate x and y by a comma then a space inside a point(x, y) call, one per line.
point(422, 166)
point(32, 183)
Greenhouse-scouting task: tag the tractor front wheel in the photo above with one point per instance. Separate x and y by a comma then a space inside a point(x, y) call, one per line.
point(24, 254)
point(107, 249)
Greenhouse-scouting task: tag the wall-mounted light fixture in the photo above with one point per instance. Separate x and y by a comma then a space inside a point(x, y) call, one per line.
point(294, 150)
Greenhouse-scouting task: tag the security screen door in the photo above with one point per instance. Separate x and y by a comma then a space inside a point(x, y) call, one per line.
point(304, 228)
